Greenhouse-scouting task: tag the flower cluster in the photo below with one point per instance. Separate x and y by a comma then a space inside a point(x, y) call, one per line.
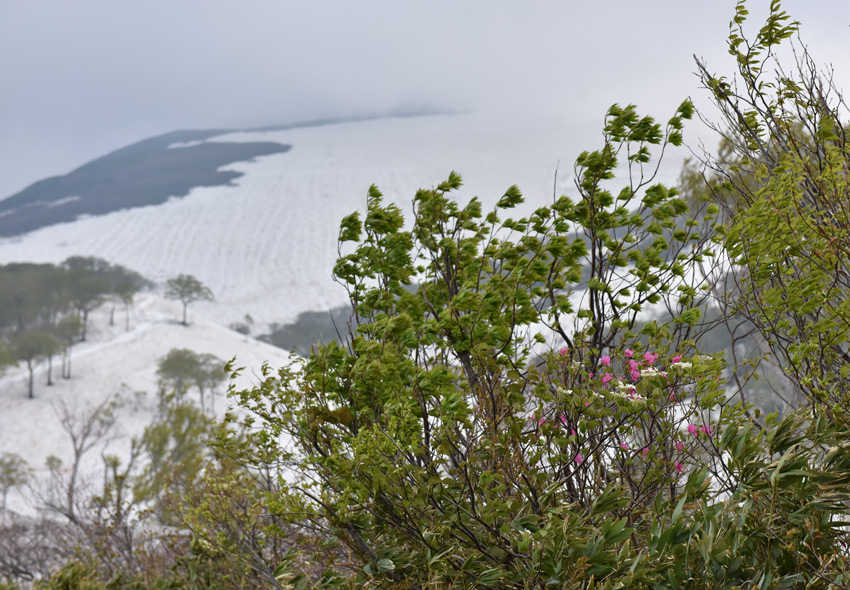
point(634, 405)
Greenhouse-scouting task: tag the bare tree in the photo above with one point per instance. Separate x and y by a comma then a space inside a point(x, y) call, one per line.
point(86, 430)
point(30, 548)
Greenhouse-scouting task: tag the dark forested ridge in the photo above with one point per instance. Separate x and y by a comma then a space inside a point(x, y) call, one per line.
point(145, 173)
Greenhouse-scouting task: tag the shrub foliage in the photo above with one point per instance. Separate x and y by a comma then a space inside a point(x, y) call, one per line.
point(522, 401)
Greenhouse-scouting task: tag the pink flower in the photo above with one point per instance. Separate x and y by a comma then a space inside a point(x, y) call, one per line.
point(624, 446)
point(645, 452)
point(629, 353)
point(586, 404)
point(678, 466)
point(676, 359)
point(579, 459)
point(605, 360)
point(606, 378)
point(680, 446)
point(635, 375)
point(633, 365)
point(563, 420)
point(706, 429)
point(673, 396)
point(650, 357)
point(573, 431)
point(591, 375)
point(541, 422)
point(564, 351)
point(692, 428)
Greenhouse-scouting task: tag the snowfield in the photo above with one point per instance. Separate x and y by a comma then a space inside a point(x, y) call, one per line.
point(266, 246)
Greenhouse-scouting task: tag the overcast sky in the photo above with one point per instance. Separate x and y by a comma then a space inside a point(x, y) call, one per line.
point(81, 78)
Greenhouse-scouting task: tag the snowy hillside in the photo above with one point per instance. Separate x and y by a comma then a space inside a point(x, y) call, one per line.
point(112, 362)
point(266, 245)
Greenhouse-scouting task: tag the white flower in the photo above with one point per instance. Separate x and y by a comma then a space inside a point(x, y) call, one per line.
point(684, 365)
point(627, 391)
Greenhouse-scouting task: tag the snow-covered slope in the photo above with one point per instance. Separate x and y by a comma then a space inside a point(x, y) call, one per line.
point(266, 245)
point(116, 362)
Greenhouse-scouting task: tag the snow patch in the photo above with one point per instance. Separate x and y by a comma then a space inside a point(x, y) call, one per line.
point(64, 201)
point(185, 144)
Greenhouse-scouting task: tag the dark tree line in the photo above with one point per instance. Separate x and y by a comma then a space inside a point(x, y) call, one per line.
point(45, 308)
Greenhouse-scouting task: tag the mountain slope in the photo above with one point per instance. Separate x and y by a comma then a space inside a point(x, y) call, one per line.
point(266, 243)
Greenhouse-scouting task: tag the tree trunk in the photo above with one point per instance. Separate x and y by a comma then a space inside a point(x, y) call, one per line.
point(50, 370)
point(72, 487)
point(112, 315)
point(85, 315)
point(68, 376)
point(29, 366)
point(185, 305)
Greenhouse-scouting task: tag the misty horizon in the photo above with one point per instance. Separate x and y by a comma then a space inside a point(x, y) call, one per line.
point(88, 78)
